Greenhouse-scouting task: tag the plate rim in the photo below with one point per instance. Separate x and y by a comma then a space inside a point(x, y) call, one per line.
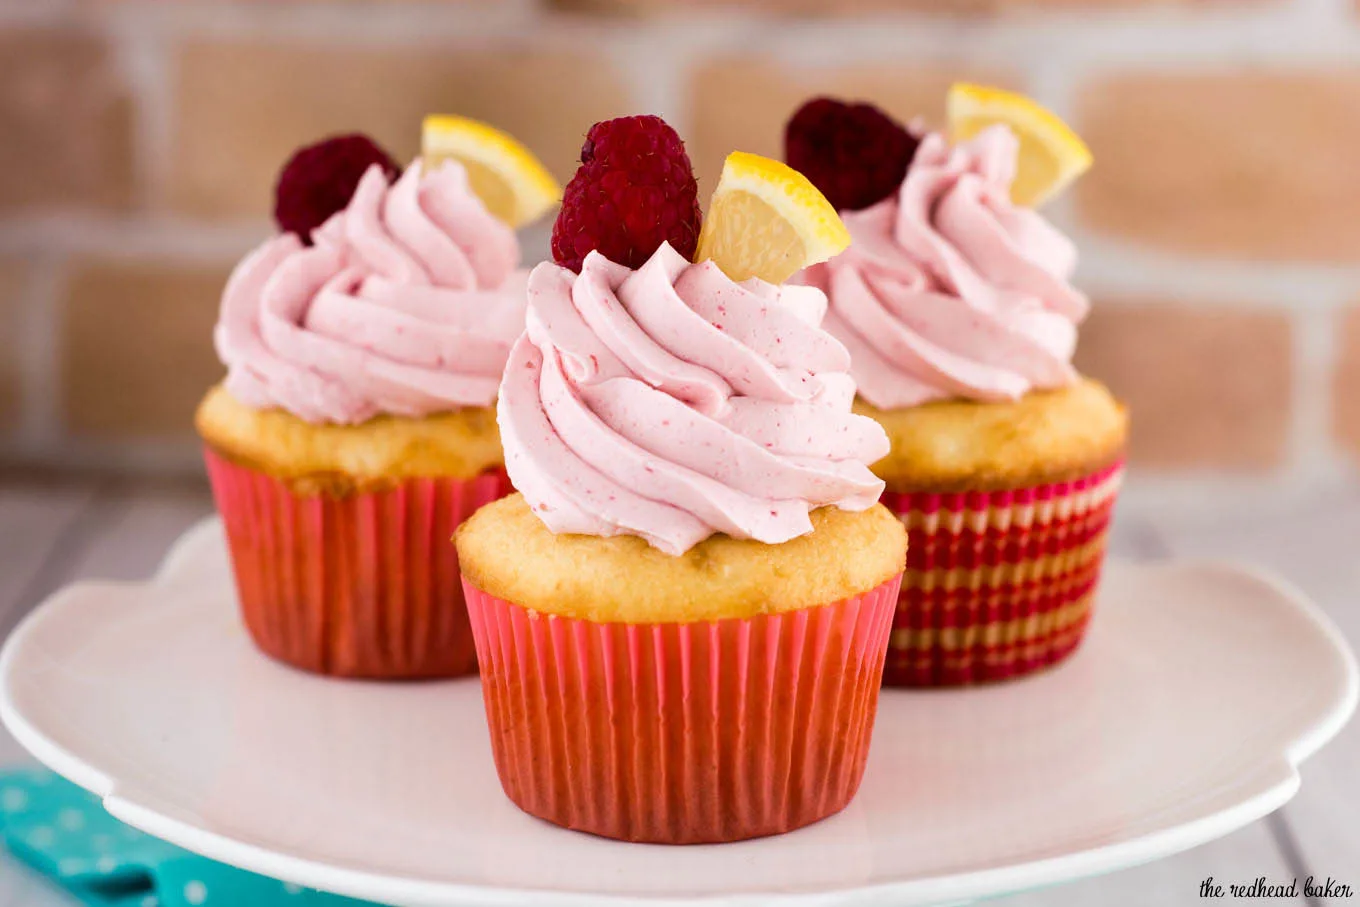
point(141, 811)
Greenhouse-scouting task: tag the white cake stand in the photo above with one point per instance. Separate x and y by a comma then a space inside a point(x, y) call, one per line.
point(1184, 717)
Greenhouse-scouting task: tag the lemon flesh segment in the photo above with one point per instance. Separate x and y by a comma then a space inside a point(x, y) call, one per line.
point(767, 220)
point(750, 239)
point(510, 181)
point(1051, 155)
point(495, 192)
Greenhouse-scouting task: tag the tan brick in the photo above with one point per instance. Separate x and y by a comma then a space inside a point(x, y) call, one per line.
point(740, 105)
point(1207, 387)
point(65, 123)
point(1346, 384)
point(242, 109)
point(13, 277)
point(136, 347)
point(1243, 164)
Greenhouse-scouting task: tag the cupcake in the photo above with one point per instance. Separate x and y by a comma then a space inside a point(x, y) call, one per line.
point(356, 427)
point(956, 304)
point(681, 619)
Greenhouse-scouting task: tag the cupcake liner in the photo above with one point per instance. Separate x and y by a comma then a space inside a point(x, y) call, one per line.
point(999, 583)
point(682, 733)
point(358, 585)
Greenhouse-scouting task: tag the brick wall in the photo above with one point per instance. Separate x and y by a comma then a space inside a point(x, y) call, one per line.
point(139, 141)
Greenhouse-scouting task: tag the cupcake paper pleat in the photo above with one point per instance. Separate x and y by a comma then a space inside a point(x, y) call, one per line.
point(360, 585)
point(998, 584)
point(682, 733)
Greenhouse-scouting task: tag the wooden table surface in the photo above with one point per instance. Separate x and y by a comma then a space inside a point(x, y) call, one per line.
point(51, 534)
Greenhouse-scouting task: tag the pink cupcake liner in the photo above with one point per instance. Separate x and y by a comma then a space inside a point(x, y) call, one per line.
point(681, 733)
point(359, 585)
point(998, 584)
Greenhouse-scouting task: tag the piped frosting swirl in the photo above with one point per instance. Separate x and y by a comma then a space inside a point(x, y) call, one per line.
point(948, 289)
point(407, 304)
point(671, 403)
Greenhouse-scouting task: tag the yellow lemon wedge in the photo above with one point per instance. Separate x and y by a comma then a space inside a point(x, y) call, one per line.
point(767, 220)
point(512, 183)
point(1051, 154)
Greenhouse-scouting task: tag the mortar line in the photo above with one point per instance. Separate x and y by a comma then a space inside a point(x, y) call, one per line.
point(1315, 353)
point(40, 321)
point(144, 58)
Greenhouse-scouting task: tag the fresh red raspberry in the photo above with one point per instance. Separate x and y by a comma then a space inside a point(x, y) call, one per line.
point(320, 179)
point(855, 153)
point(634, 190)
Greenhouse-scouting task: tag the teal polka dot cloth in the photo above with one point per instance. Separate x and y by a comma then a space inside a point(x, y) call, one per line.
point(64, 833)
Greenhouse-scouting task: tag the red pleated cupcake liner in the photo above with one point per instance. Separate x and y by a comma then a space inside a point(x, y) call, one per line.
point(999, 584)
point(357, 585)
point(682, 733)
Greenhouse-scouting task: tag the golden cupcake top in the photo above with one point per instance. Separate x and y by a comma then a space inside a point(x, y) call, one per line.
point(1045, 436)
point(506, 551)
point(339, 459)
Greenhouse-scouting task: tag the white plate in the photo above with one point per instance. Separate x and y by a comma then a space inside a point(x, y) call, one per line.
point(1183, 717)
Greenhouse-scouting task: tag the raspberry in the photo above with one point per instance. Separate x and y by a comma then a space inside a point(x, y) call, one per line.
point(634, 190)
point(320, 179)
point(855, 153)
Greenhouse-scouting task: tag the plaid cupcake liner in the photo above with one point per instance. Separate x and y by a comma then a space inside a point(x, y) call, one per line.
point(998, 584)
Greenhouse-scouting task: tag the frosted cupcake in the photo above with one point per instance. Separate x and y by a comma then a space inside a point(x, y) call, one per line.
point(696, 581)
point(356, 427)
point(957, 307)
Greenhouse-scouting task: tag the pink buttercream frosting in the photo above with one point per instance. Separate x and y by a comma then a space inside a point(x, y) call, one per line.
point(671, 403)
point(407, 304)
point(950, 290)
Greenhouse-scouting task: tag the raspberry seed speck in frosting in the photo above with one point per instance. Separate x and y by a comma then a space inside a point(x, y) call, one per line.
point(950, 290)
point(670, 402)
point(406, 304)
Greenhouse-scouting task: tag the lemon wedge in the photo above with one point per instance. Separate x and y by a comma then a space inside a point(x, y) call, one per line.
point(512, 183)
point(767, 220)
point(1051, 154)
